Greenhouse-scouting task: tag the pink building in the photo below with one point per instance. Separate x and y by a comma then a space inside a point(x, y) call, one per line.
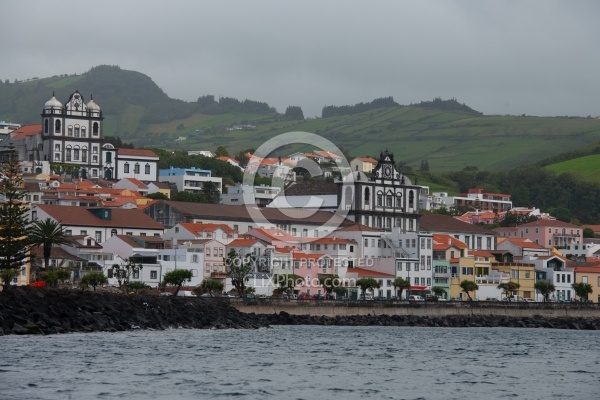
point(545, 232)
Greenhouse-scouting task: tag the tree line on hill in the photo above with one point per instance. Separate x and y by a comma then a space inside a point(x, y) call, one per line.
point(565, 196)
point(333, 111)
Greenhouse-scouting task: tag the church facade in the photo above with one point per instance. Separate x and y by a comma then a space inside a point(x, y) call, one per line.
point(386, 200)
point(72, 134)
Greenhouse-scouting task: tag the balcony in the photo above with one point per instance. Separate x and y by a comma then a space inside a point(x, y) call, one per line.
point(218, 275)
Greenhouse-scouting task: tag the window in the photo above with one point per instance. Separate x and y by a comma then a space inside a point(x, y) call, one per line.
point(68, 154)
point(57, 126)
point(76, 154)
point(367, 196)
point(83, 131)
point(153, 275)
point(95, 128)
point(113, 232)
point(380, 200)
point(416, 281)
point(411, 199)
point(399, 267)
point(136, 274)
point(76, 130)
point(136, 168)
point(208, 252)
point(147, 169)
point(194, 258)
point(98, 236)
point(125, 167)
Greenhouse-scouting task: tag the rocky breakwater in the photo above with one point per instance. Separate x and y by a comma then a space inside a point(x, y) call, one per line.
point(25, 310)
point(449, 321)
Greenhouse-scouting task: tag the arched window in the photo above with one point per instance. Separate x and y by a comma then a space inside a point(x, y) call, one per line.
point(84, 154)
point(57, 126)
point(68, 153)
point(113, 232)
point(125, 167)
point(95, 128)
point(136, 168)
point(147, 169)
point(380, 199)
point(70, 131)
point(348, 197)
point(76, 153)
point(367, 195)
point(398, 200)
point(76, 130)
point(46, 125)
point(83, 131)
point(411, 199)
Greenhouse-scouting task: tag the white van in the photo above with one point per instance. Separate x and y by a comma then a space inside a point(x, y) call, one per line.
point(415, 298)
point(186, 293)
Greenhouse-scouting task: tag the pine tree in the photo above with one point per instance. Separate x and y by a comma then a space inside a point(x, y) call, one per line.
point(14, 240)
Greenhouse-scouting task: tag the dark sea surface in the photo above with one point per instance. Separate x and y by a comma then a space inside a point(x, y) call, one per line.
point(305, 362)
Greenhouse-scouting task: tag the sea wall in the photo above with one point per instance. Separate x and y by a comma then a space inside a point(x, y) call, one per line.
point(25, 310)
point(331, 308)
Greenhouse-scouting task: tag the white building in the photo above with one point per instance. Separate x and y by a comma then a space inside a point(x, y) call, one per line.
point(262, 195)
point(189, 179)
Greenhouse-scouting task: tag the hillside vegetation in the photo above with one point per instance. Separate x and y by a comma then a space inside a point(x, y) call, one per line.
point(449, 135)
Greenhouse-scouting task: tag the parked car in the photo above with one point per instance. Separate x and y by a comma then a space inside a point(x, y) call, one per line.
point(415, 298)
point(319, 297)
point(304, 296)
point(186, 293)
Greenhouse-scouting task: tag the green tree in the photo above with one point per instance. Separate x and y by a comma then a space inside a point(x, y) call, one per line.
point(48, 233)
point(189, 197)
point(7, 275)
point(509, 289)
point(438, 291)
point(14, 232)
point(545, 288)
point(157, 196)
point(92, 279)
point(221, 151)
point(287, 282)
point(136, 286)
point(340, 291)
point(401, 285)
point(211, 193)
point(238, 269)
point(583, 290)
point(54, 277)
point(366, 284)
point(211, 286)
point(177, 278)
point(294, 113)
point(468, 286)
point(124, 272)
point(329, 282)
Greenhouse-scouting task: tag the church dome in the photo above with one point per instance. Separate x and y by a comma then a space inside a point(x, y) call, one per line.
point(91, 106)
point(53, 103)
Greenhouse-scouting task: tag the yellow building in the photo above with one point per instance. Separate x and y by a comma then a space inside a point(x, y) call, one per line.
point(476, 264)
point(521, 273)
point(589, 275)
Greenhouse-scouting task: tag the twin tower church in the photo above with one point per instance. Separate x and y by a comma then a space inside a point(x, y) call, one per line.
point(72, 135)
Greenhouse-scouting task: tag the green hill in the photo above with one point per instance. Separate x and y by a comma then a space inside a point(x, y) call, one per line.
point(447, 134)
point(588, 167)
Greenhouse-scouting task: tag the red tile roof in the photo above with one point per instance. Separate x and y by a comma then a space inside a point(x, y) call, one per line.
point(201, 227)
point(26, 130)
point(367, 273)
point(82, 216)
point(136, 152)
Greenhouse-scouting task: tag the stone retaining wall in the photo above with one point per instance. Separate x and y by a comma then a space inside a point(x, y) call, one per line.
point(331, 308)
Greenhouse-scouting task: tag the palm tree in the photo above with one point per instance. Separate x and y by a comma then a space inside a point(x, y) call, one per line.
point(48, 233)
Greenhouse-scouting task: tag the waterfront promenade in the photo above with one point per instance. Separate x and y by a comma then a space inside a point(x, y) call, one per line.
point(333, 308)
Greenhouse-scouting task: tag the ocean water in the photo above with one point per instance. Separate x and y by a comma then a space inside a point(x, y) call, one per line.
point(304, 362)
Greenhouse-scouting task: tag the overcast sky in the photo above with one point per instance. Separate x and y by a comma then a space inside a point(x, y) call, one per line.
point(499, 57)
